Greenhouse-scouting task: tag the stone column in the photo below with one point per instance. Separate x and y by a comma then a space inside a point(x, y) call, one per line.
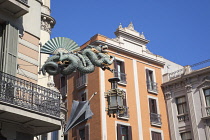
point(173, 129)
point(192, 111)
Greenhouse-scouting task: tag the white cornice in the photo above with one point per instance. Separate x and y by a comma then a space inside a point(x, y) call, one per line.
point(162, 63)
point(129, 35)
point(190, 75)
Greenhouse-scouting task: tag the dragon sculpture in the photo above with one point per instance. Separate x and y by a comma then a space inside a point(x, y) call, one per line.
point(66, 57)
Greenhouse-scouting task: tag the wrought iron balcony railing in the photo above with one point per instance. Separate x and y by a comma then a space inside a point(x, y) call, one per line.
point(155, 119)
point(125, 114)
point(23, 1)
point(152, 87)
point(183, 117)
point(121, 76)
point(24, 94)
point(81, 81)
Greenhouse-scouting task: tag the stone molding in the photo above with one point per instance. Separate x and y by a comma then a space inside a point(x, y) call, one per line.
point(188, 88)
point(168, 95)
point(47, 23)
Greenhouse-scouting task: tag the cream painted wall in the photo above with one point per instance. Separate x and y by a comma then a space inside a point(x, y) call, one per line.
point(32, 25)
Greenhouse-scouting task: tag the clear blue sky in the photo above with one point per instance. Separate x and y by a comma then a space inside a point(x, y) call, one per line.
point(178, 30)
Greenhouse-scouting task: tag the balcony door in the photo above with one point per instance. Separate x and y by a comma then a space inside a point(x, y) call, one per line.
point(8, 48)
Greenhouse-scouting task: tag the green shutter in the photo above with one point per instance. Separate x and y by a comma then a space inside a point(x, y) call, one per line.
point(11, 44)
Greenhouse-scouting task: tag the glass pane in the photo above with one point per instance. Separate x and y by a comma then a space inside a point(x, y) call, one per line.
point(208, 101)
point(113, 101)
point(186, 136)
point(119, 101)
point(207, 92)
point(181, 100)
point(82, 134)
point(124, 132)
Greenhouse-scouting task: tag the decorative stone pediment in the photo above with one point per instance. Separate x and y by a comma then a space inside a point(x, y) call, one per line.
point(130, 26)
point(204, 84)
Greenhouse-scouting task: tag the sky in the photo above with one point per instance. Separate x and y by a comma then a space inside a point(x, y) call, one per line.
point(178, 30)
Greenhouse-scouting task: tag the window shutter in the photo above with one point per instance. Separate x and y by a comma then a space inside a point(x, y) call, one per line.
point(78, 137)
point(11, 49)
point(155, 106)
point(156, 136)
point(147, 75)
point(87, 137)
point(115, 68)
point(129, 133)
point(2, 46)
point(119, 137)
point(150, 105)
point(122, 67)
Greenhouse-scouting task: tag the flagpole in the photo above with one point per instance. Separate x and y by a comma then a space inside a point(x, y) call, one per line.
point(92, 96)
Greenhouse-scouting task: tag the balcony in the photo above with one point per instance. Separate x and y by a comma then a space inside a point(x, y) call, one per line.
point(121, 76)
point(183, 117)
point(152, 87)
point(22, 101)
point(155, 119)
point(82, 81)
point(125, 115)
point(16, 8)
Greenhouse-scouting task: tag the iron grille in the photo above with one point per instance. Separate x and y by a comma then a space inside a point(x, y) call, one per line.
point(24, 94)
point(155, 119)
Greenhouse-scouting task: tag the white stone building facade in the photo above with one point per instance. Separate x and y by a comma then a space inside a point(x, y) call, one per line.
point(187, 95)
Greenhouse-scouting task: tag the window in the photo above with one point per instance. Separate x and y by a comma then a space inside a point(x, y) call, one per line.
point(83, 133)
point(83, 96)
point(81, 80)
point(54, 135)
point(151, 84)
point(120, 71)
point(124, 132)
point(8, 48)
point(66, 137)
point(186, 136)
point(207, 97)
point(44, 137)
point(125, 114)
point(152, 106)
point(155, 118)
point(181, 105)
point(156, 135)
point(63, 85)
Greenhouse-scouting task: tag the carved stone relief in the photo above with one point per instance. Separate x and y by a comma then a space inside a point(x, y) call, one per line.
point(47, 23)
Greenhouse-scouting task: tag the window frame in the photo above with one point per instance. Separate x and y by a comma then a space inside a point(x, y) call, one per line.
point(86, 128)
point(206, 96)
point(177, 105)
point(65, 84)
point(78, 76)
point(186, 132)
point(147, 69)
point(157, 109)
point(122, 70)
point(117, 123)
point(157, 131)
point(82, 93)
point(125, 101)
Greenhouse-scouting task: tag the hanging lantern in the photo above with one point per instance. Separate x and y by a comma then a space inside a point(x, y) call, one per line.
point(115, 98)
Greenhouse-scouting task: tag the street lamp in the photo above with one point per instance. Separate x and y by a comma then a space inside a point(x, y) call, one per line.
point(115, 98)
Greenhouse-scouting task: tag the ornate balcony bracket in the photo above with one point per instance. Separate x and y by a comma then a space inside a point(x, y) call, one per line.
point(47, 23)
